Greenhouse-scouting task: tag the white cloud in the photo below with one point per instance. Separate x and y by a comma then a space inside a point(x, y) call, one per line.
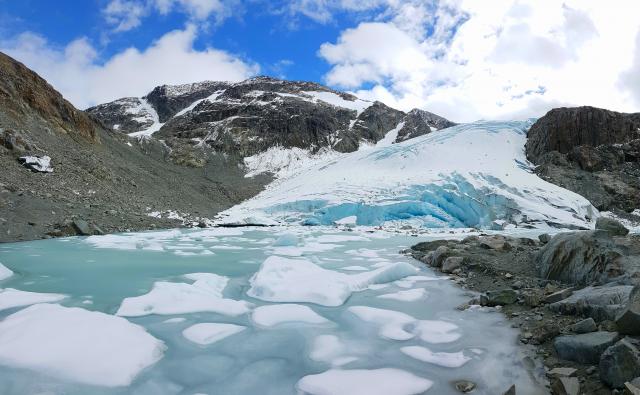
point(125, 15)
point(505, 58)
point(79, 75)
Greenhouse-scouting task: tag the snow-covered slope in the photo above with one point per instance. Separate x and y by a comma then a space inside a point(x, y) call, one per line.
point(471, 175)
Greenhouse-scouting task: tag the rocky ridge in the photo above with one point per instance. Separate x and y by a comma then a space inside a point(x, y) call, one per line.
point(590, 151)
point(252, 116)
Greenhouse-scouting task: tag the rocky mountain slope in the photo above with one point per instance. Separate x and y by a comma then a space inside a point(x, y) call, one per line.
point(591, 151)
point(100, 180)
point(262, 113)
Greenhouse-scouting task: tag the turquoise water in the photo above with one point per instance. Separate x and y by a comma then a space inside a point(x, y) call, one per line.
point(97, 273)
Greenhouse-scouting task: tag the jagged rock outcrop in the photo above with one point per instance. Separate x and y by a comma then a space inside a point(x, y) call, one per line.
point(591, 151)
point(418, 122)
point(249, 117)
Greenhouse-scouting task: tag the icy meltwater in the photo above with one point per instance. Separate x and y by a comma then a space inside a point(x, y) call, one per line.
point(243, 311)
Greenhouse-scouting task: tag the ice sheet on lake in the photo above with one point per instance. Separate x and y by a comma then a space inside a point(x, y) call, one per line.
point(444, 359)
point(272, 315)
point(5, 272)
point(329, 349)
point(409, 295)
point(10, 298)
point(299, 280)
point(78, 345)
point(205, 294)
point(210, 332)
point(395, 325)
point(383, 381)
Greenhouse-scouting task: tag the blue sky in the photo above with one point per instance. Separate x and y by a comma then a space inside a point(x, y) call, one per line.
point(463, 59)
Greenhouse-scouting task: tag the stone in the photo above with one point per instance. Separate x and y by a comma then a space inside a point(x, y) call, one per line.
point(628, 320)
point(631, 389)
point(562, 372)
point(498, 243)
point(620, 363)
point(612, 226)
point(533, 297)
point(465, 386)
point(545, 331)
point(585, 326)
point(565, 386)
point(584, 348)
point(559, 295)
point(600, 303)
point(501, 297)
point(452, 263)
point(511, 390)
point(580, 258)
point(544, 238)
point(82, 227)
point(439, 255)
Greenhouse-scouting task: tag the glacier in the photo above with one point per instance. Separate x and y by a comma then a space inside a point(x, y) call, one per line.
point(472, 175)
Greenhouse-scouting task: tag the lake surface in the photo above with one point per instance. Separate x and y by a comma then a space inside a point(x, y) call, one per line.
point(312, 310)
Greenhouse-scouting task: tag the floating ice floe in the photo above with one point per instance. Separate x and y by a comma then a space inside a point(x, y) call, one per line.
point(409, 295)
point(205, 294)
point(78, 345)
point(273, 315)
point(210, 332)
point(329, 349)
point(5, 272)
point(395, 325)
point(10, 298)
point(383, 381)
point(298, 280)
point(444, 359)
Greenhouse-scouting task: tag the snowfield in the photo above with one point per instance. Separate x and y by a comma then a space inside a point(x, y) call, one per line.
point(470, 175)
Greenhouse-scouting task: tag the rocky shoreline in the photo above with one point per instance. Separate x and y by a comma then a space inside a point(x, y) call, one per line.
point(575, 297)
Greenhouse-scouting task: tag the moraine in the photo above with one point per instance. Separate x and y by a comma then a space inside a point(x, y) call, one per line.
point(244, 311)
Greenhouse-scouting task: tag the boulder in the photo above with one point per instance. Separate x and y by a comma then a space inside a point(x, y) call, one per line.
point(501, 297)
point(439, 255)
point(559, 295)
point(585, 348)
point(585, 326)
point(632, 388)
point(565, 386)
point(628, 320)
point(544, 238)
point(82, 227)
point(612, 226)
point(600, 303)
point(465, 386)
point(498, 243)
point(562, 372)
point(580, 258)
point(452, 263)
point(511, 390)
point(620, 363)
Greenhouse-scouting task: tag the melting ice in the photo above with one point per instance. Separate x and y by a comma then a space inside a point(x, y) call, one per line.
point(275, 311)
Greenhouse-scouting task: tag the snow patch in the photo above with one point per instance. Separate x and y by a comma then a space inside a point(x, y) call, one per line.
point(10, 298)
point(383, 381)
point(167, 298)
point(282, 279)
point(78, 345)
point(444, 359)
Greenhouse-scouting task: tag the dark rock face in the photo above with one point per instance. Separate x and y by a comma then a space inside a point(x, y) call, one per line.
point(612, 226)
point(591, 151)
point(563, 129)
point(600, 303)
point(419, 122)
point(580, 258)
point(252, 116)
point(628, 320)
point(585, 348)
point(620, 363)
point(27, 99)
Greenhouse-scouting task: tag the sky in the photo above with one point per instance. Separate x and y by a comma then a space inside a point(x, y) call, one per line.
point(462, 59)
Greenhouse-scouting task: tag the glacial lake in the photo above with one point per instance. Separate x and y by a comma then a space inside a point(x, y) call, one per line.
point(305, 310)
